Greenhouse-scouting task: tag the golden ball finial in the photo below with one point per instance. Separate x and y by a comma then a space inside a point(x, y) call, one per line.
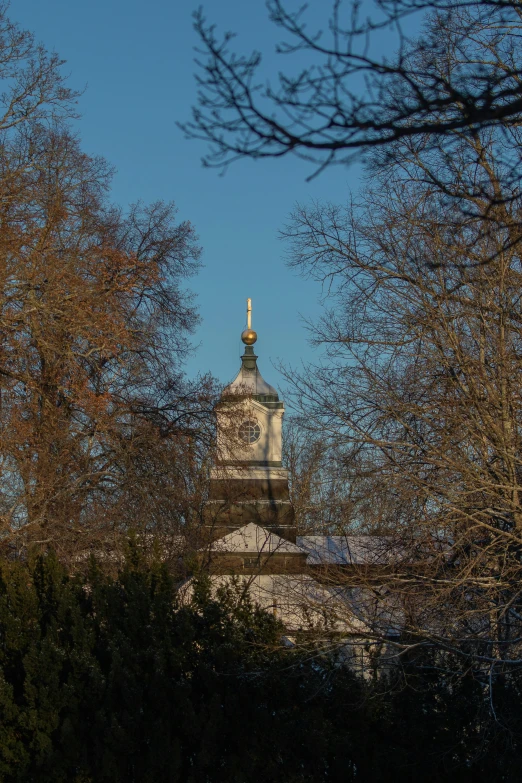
point(249, 336)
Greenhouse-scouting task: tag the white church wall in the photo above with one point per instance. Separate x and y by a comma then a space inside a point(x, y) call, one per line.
point(231, 447)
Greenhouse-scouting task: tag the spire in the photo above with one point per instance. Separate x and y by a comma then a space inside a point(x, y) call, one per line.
point(249, 337)
point(249, 379)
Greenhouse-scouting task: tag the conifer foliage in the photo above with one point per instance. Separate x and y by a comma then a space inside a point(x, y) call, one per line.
point(112, 679)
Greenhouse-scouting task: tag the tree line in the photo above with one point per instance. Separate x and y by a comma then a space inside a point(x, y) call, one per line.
point(113, 679)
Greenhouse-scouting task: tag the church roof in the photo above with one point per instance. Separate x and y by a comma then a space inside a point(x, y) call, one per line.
point(321, 550)
point(249, 381)
point(301, 602)
point(254, 538)
point(350, 549)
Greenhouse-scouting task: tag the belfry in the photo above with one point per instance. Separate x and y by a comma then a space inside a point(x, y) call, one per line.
point(248, 481)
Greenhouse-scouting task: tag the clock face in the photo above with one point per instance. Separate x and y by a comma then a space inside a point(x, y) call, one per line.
point(249, 431)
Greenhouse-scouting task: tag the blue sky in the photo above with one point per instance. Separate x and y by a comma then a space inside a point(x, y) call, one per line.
point(135, 60)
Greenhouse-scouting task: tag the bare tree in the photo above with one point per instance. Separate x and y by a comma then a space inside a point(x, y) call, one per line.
point(33, 86)
point(350, 97)
point(95, 327)
point(330, 490)
point(418, 393)
point(420, 388)
point(95, 412)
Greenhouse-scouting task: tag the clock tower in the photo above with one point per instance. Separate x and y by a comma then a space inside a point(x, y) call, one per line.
point(248, 481)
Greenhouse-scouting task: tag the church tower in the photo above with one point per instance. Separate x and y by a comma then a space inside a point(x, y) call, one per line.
point(248, 481)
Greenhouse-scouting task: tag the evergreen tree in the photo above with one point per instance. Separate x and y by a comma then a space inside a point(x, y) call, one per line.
point(112, 679)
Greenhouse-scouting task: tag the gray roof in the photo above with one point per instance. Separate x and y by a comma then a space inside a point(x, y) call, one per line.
point(249, 382)
point(355, 549)
point(253, 538)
